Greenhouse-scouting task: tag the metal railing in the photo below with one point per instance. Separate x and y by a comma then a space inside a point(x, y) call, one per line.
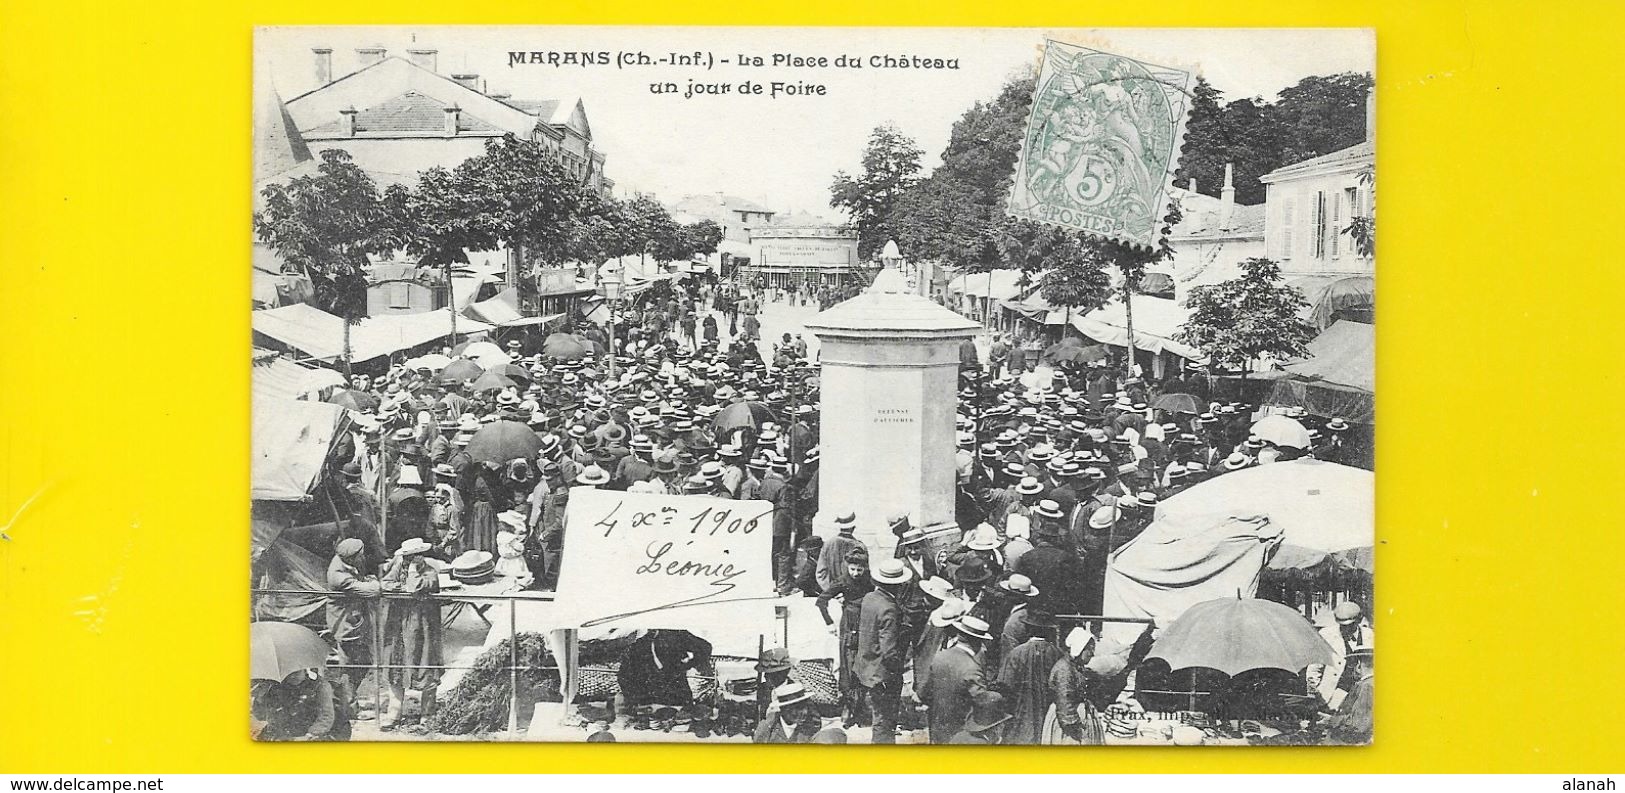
point(378, 614)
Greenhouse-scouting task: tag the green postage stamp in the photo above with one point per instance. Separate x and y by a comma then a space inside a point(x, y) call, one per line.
point(1102, 143)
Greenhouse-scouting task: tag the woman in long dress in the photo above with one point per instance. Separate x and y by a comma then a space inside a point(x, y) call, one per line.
point(482, 495)
point(1072, 719)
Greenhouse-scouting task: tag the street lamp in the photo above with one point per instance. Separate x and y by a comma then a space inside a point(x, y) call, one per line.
point(610, 287)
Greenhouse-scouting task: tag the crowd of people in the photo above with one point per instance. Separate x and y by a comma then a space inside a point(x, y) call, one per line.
point(1056, 468)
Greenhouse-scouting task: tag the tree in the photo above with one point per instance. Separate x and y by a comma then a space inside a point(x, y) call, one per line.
point(522, 196)
point(1207, 142)
point(1071, 274)
point(1247, 317)
point(940, 219)
point(703, 237)
point(1320, 115)
point(650, 229)
point(438, 221)
point(325, 226)
point(600, 231)
point(1362, 229)
point(891, 162)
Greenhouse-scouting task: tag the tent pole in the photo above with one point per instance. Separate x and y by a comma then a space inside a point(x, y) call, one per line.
point(451, 303)
point(513, 667)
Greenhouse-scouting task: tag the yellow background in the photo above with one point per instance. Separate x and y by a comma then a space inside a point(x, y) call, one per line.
point(124, 228)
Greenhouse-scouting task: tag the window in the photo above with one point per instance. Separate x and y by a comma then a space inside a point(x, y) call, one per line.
point(400, 295)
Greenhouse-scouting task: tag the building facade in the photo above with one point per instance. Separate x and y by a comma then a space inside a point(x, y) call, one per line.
point(400, 115)
point(736, 216)
point(1212, 239)
point(1310, 207)
point(783, 256)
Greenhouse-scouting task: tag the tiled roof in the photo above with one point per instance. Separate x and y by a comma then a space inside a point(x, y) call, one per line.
point(737, 204)
point(1349, 156)
point(541, 108)
point(408, 113)
point(1201, 217)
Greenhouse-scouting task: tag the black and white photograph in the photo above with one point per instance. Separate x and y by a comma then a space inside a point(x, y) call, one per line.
point(813, 385)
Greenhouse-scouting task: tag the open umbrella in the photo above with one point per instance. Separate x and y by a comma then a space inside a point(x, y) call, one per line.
point(514, 371)
point(492, 360)
point(491, 381)
point(1235, 635)
point(501, 441)
point(358, 401)
point(278, 649)
point(566, 347)
point(742, 414)
point(1282, 431)
point(461, 369)
point(479, 349)
point(434, 362)
point(1178, 403)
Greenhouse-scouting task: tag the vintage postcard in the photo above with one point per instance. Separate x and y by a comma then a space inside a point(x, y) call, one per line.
point(813, 385)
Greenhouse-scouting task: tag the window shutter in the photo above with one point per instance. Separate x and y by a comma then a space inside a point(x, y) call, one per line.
point(1288, 220)
point(1337, 218)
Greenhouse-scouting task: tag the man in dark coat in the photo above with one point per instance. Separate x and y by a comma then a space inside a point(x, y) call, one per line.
point(832, 559)
point(881, 650)
point(915, 603)
point(1057, 572)
point(1025, 677)
point(957, 680)
point(654, 669)
point(350, 608)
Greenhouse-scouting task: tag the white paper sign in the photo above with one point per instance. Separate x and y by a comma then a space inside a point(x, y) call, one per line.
point(637, 559)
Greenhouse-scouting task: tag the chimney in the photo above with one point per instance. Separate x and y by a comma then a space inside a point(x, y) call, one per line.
point(469, 81)
point(1371, 115)
point(428, 59)
point(1191, 185)
point(324, 65)
point(1227, 197)
point(369, 55)
point(347, 117)
point(452, 114)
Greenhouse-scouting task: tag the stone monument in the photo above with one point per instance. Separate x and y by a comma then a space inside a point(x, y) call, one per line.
point(889, 363)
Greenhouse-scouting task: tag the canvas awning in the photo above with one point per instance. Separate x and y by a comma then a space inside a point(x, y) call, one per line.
point(1156, 320)
point(465, 289)
point(1344, 354)
point(1317, 504)
point(278, 378)
point(291, 440)
point(503, 311)
point(1339, 376)
point(996, 284)
point(320, 335)
point(1180, 561)
point(1329, 294)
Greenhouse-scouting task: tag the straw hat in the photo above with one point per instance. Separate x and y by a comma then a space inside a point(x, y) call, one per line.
point(892, 571)
point(937, 587)
point(973, 626)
